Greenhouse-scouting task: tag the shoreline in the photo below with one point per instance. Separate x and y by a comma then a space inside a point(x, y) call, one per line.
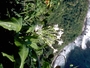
point(74, 42)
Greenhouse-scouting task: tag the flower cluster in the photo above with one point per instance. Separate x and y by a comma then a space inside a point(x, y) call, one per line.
point(59, 34)
point(50, 35)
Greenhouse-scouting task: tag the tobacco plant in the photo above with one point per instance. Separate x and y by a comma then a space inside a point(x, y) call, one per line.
point(27, 34)
point(30, 29)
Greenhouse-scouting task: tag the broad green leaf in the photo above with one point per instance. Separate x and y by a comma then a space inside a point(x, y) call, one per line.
point(23, 55)
point(34, 46)
point(10, 57)
point(12, 24)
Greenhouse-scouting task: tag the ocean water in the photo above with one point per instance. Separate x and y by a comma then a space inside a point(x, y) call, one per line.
point(78, 57)
point(75, 55)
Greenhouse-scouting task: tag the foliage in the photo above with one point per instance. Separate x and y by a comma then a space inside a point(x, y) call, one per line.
point(12, 24)
point(8, 56)
point(28, 30)
point(70, 18)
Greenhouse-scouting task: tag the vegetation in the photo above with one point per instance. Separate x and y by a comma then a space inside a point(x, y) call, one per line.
point(70, 18)
point(22, 45)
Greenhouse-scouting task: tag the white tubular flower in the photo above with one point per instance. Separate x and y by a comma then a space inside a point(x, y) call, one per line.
point(56, 27)
point(60, 33)
point(58, 37)
point(51, 46)
point(55, 50)
point(60, 42)
point(38, 27)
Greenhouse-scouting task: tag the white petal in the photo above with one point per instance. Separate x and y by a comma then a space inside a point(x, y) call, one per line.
point(58, 37)
point(55, 50)
point(38, 27)
point(56, 27)
point(60, 32)
point(60, 42)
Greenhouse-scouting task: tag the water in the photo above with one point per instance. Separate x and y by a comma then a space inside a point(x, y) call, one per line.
point(79, 57)
point(77, 53)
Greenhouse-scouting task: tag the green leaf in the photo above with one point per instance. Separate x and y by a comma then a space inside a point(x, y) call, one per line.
point(46, 65)
point(34, 40)
point(39, 52)
point(34, 46)
point(12, 24)
point(1, 66)
point(31, 29)
point(11, 57)
point(23, 55)
point(17, 42)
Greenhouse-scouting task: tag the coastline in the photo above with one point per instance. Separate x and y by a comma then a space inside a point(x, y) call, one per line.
point(64, 52)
